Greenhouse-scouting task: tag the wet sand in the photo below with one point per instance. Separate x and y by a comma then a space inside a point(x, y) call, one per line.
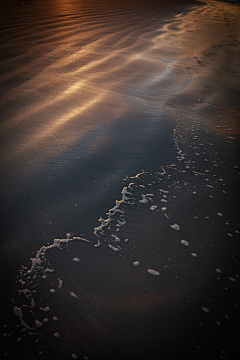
point(120, 127)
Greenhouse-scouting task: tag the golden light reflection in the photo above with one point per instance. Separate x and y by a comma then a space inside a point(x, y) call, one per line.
point(50, 129)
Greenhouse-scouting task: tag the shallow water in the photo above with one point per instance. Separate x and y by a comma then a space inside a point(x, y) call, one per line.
point(120, 181)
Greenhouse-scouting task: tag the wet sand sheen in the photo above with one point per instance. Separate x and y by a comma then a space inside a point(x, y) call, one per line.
point(149, 266)
point(65, 76)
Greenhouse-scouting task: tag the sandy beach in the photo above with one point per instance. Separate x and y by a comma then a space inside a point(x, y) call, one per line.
point(120, 164)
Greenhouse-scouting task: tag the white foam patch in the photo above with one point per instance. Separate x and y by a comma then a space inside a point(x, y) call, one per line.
point(153, 272)
point(145, 198)
point(57, 243)
point(116, 238)
point(38, 323)
point(113, 247)
point(184, 242)
point(153, 207)
point(60, 283)
point(206, 310)
point(72, 294)
point(45, 309)
point(175, 226)
point(164, 191)
point(136, 263)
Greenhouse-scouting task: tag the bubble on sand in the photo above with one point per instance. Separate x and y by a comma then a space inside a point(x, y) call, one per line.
point(56, 335)
point(194, 255)
point(145, 198)
point(184, 242)
point(55, 318)
point(76, 259)
point(116, 238)
point(220, 214)
point(175, 226)
point(219, 271)
point(136, 263)
point(153, 272)
point(52, 291)
point(113, 247)
point(232, 279)
point(38, 323)
point(153, 207)
point(164, 191)
point(60, 283)
point(73, 295)
point(46, 309)
point(164, 208)
point(229, 234)
point(206, 310)
point(74, 356)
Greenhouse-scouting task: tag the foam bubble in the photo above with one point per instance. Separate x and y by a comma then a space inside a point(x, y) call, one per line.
point(153, 207)
point(38, 323)
point(113, 247)
point(153, 272)
point(136, 263)
point(194, 255)
point(45, 309)
point(60, 283)
point(76, 259)
point(175, 226)
point(116, 238)
point(145, 198)
point(73, 295)
point(184, 242)
point(206, 310)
